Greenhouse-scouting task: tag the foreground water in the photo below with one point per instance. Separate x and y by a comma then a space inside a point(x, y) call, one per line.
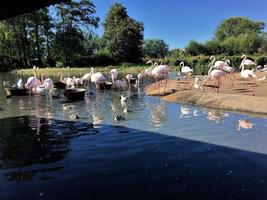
point(160, 150)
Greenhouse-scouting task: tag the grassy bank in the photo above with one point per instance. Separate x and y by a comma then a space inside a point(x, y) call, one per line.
point(81, 70)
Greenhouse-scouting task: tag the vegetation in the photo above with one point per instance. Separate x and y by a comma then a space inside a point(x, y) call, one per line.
point(63, 36)
point(155, 48)
point(123, 36)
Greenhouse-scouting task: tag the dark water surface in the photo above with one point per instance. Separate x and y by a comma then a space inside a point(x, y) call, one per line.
point(161, 150)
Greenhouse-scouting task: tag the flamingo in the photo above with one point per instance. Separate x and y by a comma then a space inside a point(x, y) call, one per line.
point(98, 78)
point(231, 71)
point(247, 73)
point(247, 62)
point(216, 73)
point(120, 84)
point(128, 78)
point(77, 81)
point(86, 78)
point(140, 76)
point(219, 64)
point(160, 71)
point(114, 75)
point(33, 81)
point(48, 83)
point(185, 69)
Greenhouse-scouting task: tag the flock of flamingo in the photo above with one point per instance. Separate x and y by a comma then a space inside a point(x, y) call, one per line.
point(156, 71)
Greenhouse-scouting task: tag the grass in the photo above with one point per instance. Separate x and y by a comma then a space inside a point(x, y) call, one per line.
point(80, 70)
point(133, 69)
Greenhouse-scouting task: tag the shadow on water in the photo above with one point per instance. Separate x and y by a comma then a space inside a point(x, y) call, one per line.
point(55, 159)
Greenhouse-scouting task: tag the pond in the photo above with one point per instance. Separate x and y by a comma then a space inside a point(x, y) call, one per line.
point(160, 150)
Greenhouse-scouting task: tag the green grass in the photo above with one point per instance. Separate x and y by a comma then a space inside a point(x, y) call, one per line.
point(80, 70)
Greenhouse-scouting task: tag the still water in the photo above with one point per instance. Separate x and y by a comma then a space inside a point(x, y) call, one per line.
point(161, 150)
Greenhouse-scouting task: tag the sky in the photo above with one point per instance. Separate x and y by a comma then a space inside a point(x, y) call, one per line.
point(178, 22)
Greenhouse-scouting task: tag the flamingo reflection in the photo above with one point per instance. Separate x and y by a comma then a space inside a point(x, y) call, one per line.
point(245, 124)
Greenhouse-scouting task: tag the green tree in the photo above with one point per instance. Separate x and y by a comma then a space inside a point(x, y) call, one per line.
point(194, 48)
point(72, 18)
point(235, 26)
point(123, 35)
point(155, 48)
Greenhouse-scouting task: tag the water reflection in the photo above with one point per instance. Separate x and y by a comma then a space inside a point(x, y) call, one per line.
point(158, 114)
point(245, 124)
point(216, 115)
point(185, 112)
point(31, 140)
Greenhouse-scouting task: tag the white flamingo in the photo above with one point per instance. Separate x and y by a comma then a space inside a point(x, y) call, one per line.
point(114, 75)
point(98, 78)
point(48, 83)
point(140, 76)
point(185, 69)
point(246, 62)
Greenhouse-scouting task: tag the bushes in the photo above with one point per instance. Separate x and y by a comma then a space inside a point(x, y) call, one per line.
point(261, 60)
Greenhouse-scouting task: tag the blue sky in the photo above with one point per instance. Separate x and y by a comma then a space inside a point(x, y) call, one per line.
point(179, 21)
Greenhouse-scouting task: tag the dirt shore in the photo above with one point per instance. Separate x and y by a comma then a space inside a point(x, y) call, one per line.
point(244, 96)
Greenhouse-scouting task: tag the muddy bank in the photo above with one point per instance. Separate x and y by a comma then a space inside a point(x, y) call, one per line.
point(232, 102)
point(238, 97)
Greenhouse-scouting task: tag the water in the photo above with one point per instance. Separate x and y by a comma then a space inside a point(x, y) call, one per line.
point(161, 150)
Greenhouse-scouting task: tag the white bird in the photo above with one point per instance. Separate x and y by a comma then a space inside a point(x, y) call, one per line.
point(123, 99)
point(185, 69)
point(140, 76)
point(247, 62)
point(197, 85)
point(114, 74)
point(98, 79)
point(19, 83)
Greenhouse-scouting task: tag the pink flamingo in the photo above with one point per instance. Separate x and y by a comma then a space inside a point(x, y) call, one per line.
point(231, 71)
point(160, 71)
point(217, 74)
point(219, 64)
point(86, 79)
point(33, 81)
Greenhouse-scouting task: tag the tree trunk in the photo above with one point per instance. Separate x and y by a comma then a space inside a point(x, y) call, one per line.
point(38, 46)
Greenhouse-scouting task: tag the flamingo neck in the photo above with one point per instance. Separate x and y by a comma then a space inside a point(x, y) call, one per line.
point(245, 57)
point(61, 76)
point(213, 60)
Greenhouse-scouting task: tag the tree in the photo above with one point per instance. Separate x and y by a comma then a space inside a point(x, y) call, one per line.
point(123, 35)
point(155, 48)
point(72, 18)
point(194, 48)
point(235, 26)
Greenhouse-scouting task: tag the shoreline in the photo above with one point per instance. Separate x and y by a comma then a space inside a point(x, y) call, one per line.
point(238, 98)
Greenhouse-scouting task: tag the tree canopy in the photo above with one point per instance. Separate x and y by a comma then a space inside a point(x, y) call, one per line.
point(155, 48)
point(235, 26)
point(123, 35)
